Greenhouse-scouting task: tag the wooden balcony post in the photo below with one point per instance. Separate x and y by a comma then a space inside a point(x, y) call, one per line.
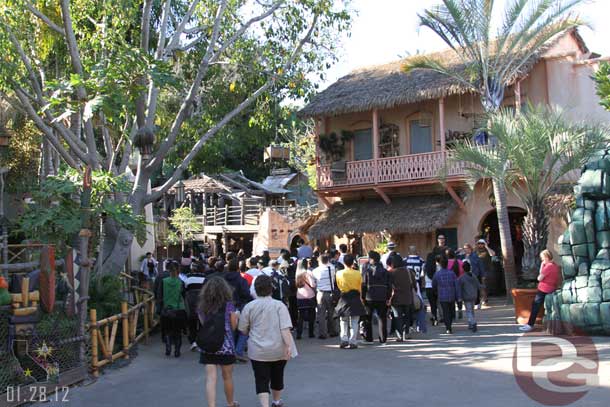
point(215, 212)
point(226, 215)
point(376, 144)
point(518, 98)
point(243, 212)
point(441, 122)
point(317, 141)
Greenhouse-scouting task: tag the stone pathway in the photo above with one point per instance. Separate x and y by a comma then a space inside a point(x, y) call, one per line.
point(436, 369)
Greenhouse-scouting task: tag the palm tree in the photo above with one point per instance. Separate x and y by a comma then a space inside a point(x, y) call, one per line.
point(489, 64)
point(535, 151)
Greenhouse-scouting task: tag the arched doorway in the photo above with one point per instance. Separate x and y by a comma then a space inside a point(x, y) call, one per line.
point(488, 230)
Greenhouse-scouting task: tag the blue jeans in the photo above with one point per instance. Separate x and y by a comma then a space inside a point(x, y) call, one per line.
point(538, 301)
point(240, 345)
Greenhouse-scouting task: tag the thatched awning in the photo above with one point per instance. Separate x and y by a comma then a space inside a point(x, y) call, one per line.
point(414, 214)
point(387, 86)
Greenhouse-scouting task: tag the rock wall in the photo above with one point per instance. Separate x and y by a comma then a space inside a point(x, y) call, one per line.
point(583, 301)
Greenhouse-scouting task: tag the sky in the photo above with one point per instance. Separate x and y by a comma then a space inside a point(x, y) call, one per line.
point(386, 30)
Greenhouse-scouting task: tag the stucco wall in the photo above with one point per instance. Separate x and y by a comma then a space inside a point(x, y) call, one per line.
point(275, 232)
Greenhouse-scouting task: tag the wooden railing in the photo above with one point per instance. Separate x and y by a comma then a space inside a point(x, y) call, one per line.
point(103, 333)
point(411, 167)
point(232, 215)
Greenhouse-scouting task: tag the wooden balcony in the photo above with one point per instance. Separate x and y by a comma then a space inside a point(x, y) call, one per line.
point(403, 169)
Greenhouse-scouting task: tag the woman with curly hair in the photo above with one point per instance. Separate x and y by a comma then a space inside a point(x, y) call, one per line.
point(216, 296)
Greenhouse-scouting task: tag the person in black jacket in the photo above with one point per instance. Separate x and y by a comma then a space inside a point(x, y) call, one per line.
point(241, 292)
point(376, 294)
point(430, 270)
point(158, 290)
point(192, 286)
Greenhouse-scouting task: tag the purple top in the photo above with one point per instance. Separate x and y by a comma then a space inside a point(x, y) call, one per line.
point(228, 347)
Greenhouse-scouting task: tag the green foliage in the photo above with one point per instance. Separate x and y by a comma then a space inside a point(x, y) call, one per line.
point(185, 226)
point(105, 294)
point(602, 79)
point(54, 216)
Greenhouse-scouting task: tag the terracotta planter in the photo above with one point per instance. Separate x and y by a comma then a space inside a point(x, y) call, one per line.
point(523, 299)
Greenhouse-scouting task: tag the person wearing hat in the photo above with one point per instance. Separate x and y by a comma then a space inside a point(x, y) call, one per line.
point(485, 254)
point(391, 251)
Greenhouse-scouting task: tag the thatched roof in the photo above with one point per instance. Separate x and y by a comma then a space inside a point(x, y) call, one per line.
point(413, 214)
point(387, 86)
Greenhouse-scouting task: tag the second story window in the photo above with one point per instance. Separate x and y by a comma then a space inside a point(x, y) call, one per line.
point(420, 135)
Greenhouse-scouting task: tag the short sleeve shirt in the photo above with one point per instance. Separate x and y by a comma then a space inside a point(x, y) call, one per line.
point(263, 319)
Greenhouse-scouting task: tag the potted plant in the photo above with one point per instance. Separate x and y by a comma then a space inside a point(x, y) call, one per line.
point(523, 297)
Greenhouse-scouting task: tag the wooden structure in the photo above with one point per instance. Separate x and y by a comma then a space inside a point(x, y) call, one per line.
point(104, 333)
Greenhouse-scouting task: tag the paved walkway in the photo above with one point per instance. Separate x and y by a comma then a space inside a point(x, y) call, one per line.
point(436, 370)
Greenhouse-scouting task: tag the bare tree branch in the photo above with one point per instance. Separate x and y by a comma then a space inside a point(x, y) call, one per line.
point(175, 39)
point(81, 93)
point(48, 132)
point(45, 19)
point(145, 36)
point(159, 191)
point(128, 148)
point(185, 108)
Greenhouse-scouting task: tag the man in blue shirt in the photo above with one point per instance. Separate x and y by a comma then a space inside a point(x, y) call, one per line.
point(446, 284)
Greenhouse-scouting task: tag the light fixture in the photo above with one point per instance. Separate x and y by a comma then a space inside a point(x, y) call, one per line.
point(180, 191)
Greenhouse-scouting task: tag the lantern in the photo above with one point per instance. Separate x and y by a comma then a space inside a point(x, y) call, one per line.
point(180, 191)
point(277, 152)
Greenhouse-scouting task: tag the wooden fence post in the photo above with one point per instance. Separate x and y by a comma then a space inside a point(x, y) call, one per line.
point(94, 350)
point(125, 328)
point(146, 325)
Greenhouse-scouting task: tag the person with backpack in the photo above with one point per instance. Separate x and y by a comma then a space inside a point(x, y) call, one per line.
point(290, 270)
point(270, 345)
point(324, 276)
point(192, 287)
point(218, 318)
point(350, 307)
point(173, 315)
point(376, 292)
point(456, 265)
point(469, 287)
point(306, 298)
point(282, 289)
point(241, 296)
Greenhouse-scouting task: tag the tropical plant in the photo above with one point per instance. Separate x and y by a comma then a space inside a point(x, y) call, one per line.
point(491, 58)
point(101, 78)
point(185, 226)
point(54, 214)
point(534, 152)
point(602, 79)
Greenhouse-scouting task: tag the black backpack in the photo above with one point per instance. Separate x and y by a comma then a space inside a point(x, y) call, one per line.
point(211, 335)
point(281, 286)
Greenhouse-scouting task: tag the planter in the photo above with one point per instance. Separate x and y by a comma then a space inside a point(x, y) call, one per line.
point(523, 299)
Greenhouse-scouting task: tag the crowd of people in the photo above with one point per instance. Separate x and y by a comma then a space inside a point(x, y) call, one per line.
point(236, 309)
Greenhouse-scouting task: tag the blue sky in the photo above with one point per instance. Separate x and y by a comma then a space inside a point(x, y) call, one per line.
point(384, 30)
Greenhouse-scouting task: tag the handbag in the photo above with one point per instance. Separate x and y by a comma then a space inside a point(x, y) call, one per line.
point(335, 293)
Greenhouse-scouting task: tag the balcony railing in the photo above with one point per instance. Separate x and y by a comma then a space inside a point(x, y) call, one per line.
point(411, 167)
point(232, 215)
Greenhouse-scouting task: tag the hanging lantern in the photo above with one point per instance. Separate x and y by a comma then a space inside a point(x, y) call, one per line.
point(180, 191)
point(145, 141)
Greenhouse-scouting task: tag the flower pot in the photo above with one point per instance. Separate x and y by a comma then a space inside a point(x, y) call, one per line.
point(523, 298)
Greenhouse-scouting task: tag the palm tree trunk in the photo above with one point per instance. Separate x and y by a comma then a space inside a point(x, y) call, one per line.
point(535, 237)
point(508, 257)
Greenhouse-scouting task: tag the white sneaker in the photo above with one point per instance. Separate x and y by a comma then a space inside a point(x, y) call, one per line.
point(193, 346)
point(525, 328)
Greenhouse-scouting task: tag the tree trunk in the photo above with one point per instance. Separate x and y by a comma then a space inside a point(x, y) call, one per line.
point(535, 238)
point(116, 252)
point(508, 257)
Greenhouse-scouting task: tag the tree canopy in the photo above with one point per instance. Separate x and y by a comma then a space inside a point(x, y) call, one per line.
point(101, 79)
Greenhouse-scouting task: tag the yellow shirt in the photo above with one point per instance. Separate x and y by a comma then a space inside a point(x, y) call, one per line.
point(349, 279)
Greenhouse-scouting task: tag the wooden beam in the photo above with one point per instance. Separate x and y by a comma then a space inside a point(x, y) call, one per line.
point(456, 197)
point(376, 143)
point(383, 195)
point(324, 200)
point(441, 122)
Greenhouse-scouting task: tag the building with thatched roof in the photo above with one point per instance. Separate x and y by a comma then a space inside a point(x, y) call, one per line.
point(383, 137)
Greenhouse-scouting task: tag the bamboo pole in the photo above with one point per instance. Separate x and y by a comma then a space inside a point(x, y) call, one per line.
point(94, 351)
point(115, 326)
point(146, 322)
point(125, 328)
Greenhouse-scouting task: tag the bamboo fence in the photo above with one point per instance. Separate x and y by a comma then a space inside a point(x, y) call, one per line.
point(103, 333)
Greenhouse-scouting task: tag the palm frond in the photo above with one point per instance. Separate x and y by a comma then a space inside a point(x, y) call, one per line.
point(425, 62)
